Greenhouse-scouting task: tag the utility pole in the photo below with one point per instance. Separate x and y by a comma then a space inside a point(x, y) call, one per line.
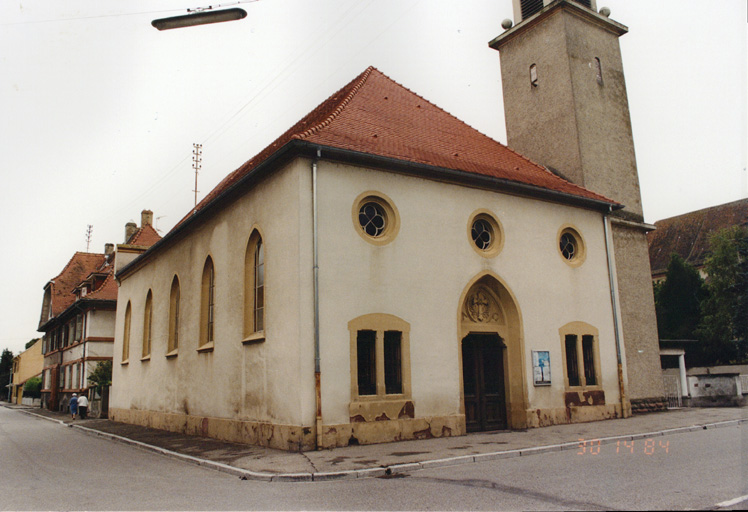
point(197, 159)
point(89, 231)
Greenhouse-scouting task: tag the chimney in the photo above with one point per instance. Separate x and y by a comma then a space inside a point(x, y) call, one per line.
point(130, 229)
point(146, 218)
point(108, 249)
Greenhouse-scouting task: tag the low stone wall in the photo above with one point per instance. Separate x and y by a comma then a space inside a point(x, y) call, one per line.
point(641, 405)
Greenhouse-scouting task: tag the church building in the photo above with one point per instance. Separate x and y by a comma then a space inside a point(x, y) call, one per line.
point(383, 271)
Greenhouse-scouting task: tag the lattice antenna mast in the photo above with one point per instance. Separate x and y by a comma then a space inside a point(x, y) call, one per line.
point(197, 160)
point(89, 233)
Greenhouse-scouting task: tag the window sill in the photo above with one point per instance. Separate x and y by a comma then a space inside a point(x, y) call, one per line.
point(208, 347)
point(255, 337)
point(146, 358)
point(125, 362)
point(172, 354)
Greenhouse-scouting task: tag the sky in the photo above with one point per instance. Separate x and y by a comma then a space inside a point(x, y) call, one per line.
point(99, 111)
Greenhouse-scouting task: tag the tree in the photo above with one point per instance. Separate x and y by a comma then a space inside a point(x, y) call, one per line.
point(33, 387)
point(31, 343)
point(101, 377)
point(725, 306)
point(6, 370)
point(678, 300)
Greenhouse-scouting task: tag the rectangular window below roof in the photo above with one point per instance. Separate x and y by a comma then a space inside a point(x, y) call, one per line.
point(367, 369)
point(530, 7)
point(588, 356)
point(393, 381)
point(572, 364)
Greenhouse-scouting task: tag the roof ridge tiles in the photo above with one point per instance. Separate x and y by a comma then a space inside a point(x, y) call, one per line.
point(359, 82)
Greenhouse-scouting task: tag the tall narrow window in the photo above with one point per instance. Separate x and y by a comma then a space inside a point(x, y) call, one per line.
point(259, 309)
point(588, 358)
point(598, 71)
point(207, 304)
point(147, 322)
point(534, 75)
point(173, 318)
point(78, 327)
point(367, 368)
point(572, 365)
point(254, 289)
point(126, 334)
point(393, 380)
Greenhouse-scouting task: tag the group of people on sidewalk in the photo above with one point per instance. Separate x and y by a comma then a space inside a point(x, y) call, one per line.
point(78, 404)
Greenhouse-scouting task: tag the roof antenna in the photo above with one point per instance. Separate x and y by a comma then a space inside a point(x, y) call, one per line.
point(89, 231)
point(197, 160)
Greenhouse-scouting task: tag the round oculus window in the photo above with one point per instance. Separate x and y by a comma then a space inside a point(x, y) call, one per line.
point(482, 234)
point(372, 218)
point(569, 246)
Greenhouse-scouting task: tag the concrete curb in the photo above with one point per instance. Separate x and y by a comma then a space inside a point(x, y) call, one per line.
point(384, 471)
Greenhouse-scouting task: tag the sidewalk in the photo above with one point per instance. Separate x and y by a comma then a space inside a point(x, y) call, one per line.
point(253, 462)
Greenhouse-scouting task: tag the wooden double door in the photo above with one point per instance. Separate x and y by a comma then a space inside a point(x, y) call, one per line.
point(483, 382)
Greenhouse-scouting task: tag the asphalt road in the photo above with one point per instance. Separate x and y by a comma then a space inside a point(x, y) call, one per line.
point(47, 466)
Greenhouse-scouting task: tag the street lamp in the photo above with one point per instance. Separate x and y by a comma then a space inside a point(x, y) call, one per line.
point(202, 17)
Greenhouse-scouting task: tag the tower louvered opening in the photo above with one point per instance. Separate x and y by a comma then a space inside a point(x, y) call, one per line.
point(530, 7)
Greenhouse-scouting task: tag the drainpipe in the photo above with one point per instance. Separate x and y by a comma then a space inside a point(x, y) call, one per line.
point(614, 304)
point(317, 371)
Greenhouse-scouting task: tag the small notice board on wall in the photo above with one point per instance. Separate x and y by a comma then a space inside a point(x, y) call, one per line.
point(541, 367)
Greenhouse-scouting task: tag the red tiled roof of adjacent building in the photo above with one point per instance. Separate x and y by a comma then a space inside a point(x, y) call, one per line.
point(688, 234)
point(145, 236)
point(107, 290)
point(375, 115)
point(78, 268)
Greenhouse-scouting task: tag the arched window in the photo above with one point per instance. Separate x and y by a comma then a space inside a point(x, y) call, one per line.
point(207, 305)
point(126, 334)
point(254, 288)
point(173, 345)
point(147, 323)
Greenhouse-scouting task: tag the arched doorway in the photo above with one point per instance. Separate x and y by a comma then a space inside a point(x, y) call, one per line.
point(491, 357)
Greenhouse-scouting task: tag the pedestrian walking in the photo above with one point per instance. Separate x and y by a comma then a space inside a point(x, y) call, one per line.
point(74, 405)
point(83, 406)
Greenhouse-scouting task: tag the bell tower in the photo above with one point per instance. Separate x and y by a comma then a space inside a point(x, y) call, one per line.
point(566, 108)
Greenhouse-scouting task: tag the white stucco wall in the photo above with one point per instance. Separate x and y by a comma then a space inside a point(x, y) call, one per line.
point(421, 275)
point(100, 323)
point(259, 381)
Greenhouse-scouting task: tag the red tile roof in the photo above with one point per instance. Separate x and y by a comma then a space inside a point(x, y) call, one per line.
point(77, 269)
point(107, 290)
point(688, 234)
point(145, 236)
point(377, 116)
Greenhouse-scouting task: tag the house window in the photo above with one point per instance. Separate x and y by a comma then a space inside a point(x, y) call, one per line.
point(173, 344)
point(579, 342)
point(126, 334)
point(147, 325)
point(380, 357)
point(598, 71)
point(78, 327)
point(534, 75)
point(485, 233)
point(571, 246)
point(207, 306)
point(254, 289)
point(375, 217)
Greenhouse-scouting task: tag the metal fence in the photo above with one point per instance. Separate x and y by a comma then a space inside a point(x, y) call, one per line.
point(672, 391)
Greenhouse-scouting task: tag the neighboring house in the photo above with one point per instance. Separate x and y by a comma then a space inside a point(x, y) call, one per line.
point(78, 314)
point(688, 235)
point(382, 271)
point(26, 365)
